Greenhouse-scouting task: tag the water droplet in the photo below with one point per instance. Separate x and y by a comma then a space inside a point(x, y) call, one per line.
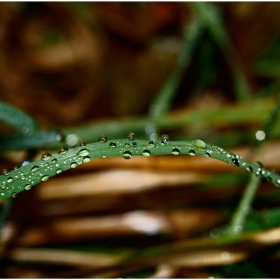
point(164, 138)
point(126, 145)
point(46, 156)
point(207, 154)
point(113, 145)
point(34, 168)
point(175, 152)
point(27, 187)
point(54, 160)
point(130, 136)
point(191, 152)
point(25, 163)
point(10, 180)
point(5, 171)
point(235, 161)
point(260, 135)
point(2, 194)
point(134, 144)
point(83, 153)
point(102, 139)
point(3, 186)
point(249, 168)
point(200, 144)
point(15, 167)
point(151, 144)
point(127, 155)
point(14, 194)
point(146, 153)
point(62, 150)
point(45, 178)
point(73, 164)
point(82, 144)
point(104, 156)
point(58, 171)
point(86, 159)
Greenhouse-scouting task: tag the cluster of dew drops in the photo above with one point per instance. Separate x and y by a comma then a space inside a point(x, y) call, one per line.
point(197, 146)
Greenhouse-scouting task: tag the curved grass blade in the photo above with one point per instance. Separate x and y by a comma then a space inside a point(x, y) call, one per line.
point(17, 119)
point(31, 174)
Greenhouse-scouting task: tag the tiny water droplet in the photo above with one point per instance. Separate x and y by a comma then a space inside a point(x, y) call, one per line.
point(130, 136)
point(5, 171)
point(27, 187)
point(249, 168)
point(54, 160)
point(235, 161)
point(104, 156)
point(82, 144)
point(191, 152)
point(199, 143)
point(73, 164)
point(14, 194)
point(58, 171)
point(62, 150)
point(151, 144)
point(134, 144)
point(146, 153)
point(83, 153)
point(86, 159)
point(113, 145)
point(127, 155)
point(3, 186)
point(34, 168)
point(102, 139)
point(164, 138)
point(126, 145)
point(46, 156)
point(10, 180)
point(45, 178)
point(175, 152)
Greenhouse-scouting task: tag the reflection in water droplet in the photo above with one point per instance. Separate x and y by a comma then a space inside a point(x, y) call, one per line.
point(200, 144)
point(164, 139)
point(175, 152)
point(102, 139)
point(46, 156)
point(45, 178)
point(34, 168)
point(27, 187)
point(146, 153)
point(83, 153)
point(191, 152)
point(127, 155)
point(130, 136)
point(86, 159)
point(10, 180)
point(113, 145)
point(73, 164)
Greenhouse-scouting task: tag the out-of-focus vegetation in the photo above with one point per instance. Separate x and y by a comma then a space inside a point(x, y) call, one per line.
point(192, 70)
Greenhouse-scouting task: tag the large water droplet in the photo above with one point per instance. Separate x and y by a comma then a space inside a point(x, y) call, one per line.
point(146, 153)
point(73, 164)
point(164, 138)
point(200, 144)
point(46, 156)
point(34, 168)
point(27, 187)
point(127, 155)
point(10, 180)
point(113, 145)
point(45, 178)
point(130, 136)
point(83, 153)
point(102, 139)
point(191, 152)
point(175, 152)
point(86, 159)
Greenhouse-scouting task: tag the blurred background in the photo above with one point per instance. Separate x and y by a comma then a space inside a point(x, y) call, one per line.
point(191, 70)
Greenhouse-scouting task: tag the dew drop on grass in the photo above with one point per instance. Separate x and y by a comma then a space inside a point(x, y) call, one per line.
point(175, 152)
point(83, 153)
point(126, 145)
point(5, 171)
point(58, 171)
point(146, 153)
point(45, 178)
point(151, 144)
point(34, 168)
point(10, 180)
point(235, 161)
point(103, 156)
point(249, 168)
point(164, 138)
point(102, 139)
point(207, 154)
point(127, 155)
point(86, 159)
point(112, 145)
point(200, 144)
point(54, 160)
point(130, 136)
point(14, 194)
point(73, 164)
point(46, 156)
point(191, 152)
point(27, 187)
